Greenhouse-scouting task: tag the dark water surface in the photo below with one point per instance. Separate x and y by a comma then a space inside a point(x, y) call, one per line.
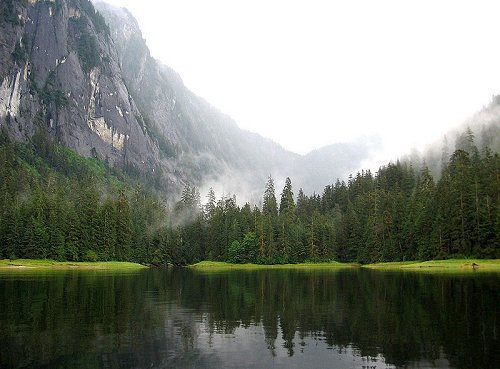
point(179, 318)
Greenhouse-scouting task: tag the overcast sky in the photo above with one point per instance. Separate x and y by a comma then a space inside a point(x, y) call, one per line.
point(312, 73)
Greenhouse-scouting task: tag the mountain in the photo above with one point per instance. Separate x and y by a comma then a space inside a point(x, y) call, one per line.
point(88, 80)
point(200, 139)
point(327, 164)
point(204, 135)
point(96, 89)
point(86, 114)
point(60, 72)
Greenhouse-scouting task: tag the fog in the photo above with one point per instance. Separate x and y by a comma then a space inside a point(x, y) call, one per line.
point(310, 74)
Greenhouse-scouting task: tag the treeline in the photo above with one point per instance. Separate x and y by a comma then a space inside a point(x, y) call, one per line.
point(55, 204)
point(397, 214)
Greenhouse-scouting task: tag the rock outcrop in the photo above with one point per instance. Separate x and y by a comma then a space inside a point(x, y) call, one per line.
point(60, 71)
point(91, 82)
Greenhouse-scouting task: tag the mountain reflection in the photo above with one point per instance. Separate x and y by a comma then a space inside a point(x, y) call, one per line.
point(287, 318)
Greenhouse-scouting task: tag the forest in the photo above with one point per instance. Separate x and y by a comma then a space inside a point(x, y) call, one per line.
point(58, 205)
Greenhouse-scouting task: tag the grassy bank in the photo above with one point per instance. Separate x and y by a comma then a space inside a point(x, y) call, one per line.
point(220, 265)
point(451, 265)
point(51, 264)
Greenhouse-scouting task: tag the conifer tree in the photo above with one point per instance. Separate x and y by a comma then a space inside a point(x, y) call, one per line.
point(287, 235)
point(269, 218)
point(123, 227)
point(210, 205)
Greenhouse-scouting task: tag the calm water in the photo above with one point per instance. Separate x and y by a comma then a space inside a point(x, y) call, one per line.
point(254, 319)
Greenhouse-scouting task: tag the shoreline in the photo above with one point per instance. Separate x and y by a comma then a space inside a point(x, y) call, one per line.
point(37, 264)
point(450, 265)
point(222, 265)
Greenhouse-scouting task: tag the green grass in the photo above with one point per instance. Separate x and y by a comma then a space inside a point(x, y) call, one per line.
point(451, 265)
point(51, 264)
point(220, 265)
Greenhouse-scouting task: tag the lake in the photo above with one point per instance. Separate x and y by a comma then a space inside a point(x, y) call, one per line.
point(183, 318)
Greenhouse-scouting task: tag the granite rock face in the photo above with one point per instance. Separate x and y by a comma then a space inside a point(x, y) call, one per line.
point(197, 138)
point(89, 81)
point(60, 71)
point(87, 77)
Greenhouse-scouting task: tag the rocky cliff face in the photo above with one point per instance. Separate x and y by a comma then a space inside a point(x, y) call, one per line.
point(91, 83)
point(88, 79)
point(198, 138)
point(60, 71)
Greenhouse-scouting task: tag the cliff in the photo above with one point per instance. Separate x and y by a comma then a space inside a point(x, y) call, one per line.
point(60, 71)
point(96, 89)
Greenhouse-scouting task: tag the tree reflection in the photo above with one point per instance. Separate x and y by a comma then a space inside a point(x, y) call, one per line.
point(156, 318)
point(405, 317)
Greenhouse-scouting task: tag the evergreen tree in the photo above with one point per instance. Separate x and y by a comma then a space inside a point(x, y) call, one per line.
point(106, 234)
point(123, 227)
point(287, 235)
point(461, 211)
point(211, 203)
point(423, 199)
point(269, 205)
point(56, 204)
point(287, 204)
point(269, 218)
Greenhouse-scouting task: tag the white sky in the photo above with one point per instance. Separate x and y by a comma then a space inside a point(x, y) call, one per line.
point(312, 73)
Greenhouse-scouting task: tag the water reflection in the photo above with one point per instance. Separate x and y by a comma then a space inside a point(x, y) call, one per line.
point(268, 318)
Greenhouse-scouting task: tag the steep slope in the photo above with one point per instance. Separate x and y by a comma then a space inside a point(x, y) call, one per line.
point(97, 90)
point(90, 82)
point(59, 72)
point(197, 138)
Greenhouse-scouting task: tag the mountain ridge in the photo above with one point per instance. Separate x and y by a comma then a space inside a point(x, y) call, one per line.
point(88, 78)
point(60, 74)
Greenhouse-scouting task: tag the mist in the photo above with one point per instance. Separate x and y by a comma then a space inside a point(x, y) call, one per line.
point(344, 104)
point(316, 74)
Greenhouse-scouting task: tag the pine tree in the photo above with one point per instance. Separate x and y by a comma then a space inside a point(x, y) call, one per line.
point(56, 219)
point(441, 230)
point(106, 234)
point(73, 235)
point(123, 227)
point(269, 217)
point(87, 206)
point(12, 232)
point(287, 204)
point(269, 205)
point(424, 213)
point(287, 235)
point(461, 189)
point(210, 205)
point(487, 194)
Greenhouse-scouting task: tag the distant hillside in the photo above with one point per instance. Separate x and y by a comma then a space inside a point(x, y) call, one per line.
point(484, 126)
point(327, 164)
